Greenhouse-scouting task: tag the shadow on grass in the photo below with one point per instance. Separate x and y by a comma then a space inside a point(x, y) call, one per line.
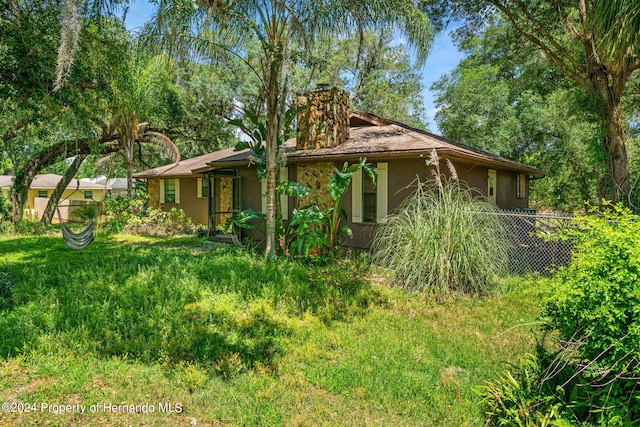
point(229, 309)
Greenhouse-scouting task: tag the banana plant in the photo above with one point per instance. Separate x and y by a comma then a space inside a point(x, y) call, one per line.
point(337, 186)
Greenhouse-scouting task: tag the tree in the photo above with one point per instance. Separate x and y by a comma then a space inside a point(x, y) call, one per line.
point(510, 101)
point(132, 96)
point(567, 34)
point(52, 204)
point(273, 24)
point(40, 126)
point(374, 68)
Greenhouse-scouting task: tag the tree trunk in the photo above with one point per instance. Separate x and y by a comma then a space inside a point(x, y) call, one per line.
point(272, 92)
point(611, 88)
point(62, 185)
point(49, 156)
point(128, 155)
point(617, 163)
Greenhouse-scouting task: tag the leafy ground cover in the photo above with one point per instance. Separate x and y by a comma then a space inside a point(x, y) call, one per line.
point(226, 338)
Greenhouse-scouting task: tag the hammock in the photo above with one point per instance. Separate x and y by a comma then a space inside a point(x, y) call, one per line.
point(78, 240)
point(83, 238)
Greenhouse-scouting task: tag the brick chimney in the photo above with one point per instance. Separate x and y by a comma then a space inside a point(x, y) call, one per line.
point(325, 124)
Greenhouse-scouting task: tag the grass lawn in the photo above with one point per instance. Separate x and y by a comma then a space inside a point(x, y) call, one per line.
point(226, 338)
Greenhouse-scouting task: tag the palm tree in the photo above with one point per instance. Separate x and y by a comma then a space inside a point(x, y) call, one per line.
point(132, 96)
point(618, 23)
point(273, 24)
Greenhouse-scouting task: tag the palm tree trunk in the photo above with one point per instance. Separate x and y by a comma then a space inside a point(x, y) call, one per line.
point(52, 204)
point(272, 91)
point(128, 155)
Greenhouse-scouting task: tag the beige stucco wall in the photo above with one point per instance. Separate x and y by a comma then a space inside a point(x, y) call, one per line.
point(35, 205)
point(193, 206)
point(402, 178)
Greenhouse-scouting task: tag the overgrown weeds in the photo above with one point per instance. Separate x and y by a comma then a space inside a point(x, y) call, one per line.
point(122, 214)
point(170, 306)
point(238, 340)
point(590, 375)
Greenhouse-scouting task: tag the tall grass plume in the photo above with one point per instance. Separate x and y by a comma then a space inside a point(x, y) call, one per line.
point(443, 239)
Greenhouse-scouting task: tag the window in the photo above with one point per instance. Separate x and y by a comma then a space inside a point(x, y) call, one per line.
point(43, 193)
point(369, 198)
point(169, 191)
point(521, 186)
point(203, 187)
point(88, 195)
point(368, 202)
point(492, 180)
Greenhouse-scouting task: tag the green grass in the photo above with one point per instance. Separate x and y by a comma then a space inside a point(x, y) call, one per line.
point(237, 340)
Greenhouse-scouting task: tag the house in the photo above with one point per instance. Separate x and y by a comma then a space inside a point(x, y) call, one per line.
point(176, 186)
point(328, 136)
point(115, 186)
point(77, 193)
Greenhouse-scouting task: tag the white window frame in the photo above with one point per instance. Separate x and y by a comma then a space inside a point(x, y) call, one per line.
point(382, 194)
point(177, 186)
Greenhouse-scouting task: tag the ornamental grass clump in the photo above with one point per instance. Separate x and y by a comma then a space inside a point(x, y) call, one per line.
point(445, 238)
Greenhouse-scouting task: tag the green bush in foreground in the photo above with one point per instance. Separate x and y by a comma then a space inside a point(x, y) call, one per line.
point(444, 238)
point(594, 304)
point(591, 375)
point(595, 301)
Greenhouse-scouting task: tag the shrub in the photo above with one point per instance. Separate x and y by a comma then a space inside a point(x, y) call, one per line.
point(160, 223)
point(30, 227)
point(595, 301)
point(444, 238)
point(130, 215)
point(594, 304)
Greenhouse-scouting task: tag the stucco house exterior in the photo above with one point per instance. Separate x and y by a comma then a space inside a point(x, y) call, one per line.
point(328, 136)
point(77, 193)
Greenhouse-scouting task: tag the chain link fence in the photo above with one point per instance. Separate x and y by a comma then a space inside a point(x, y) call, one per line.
point(538, 242)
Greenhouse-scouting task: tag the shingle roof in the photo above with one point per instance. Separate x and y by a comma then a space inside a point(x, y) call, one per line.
point(375, 137)
point(49, 181)
point(370, 136)
point(186, 167)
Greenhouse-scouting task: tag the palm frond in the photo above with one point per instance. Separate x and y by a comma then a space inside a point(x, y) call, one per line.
point(103, 162)
point(164, 142)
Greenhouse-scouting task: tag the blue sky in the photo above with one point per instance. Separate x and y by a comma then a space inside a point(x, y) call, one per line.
point(443, 58)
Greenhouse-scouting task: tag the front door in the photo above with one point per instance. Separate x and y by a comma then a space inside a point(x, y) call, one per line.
point(226, 199)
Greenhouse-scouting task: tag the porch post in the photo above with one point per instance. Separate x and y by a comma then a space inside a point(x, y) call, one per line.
point(212, 204)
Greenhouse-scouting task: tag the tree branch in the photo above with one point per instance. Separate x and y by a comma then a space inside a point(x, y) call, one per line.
point(553, 56)
point(13, 132)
